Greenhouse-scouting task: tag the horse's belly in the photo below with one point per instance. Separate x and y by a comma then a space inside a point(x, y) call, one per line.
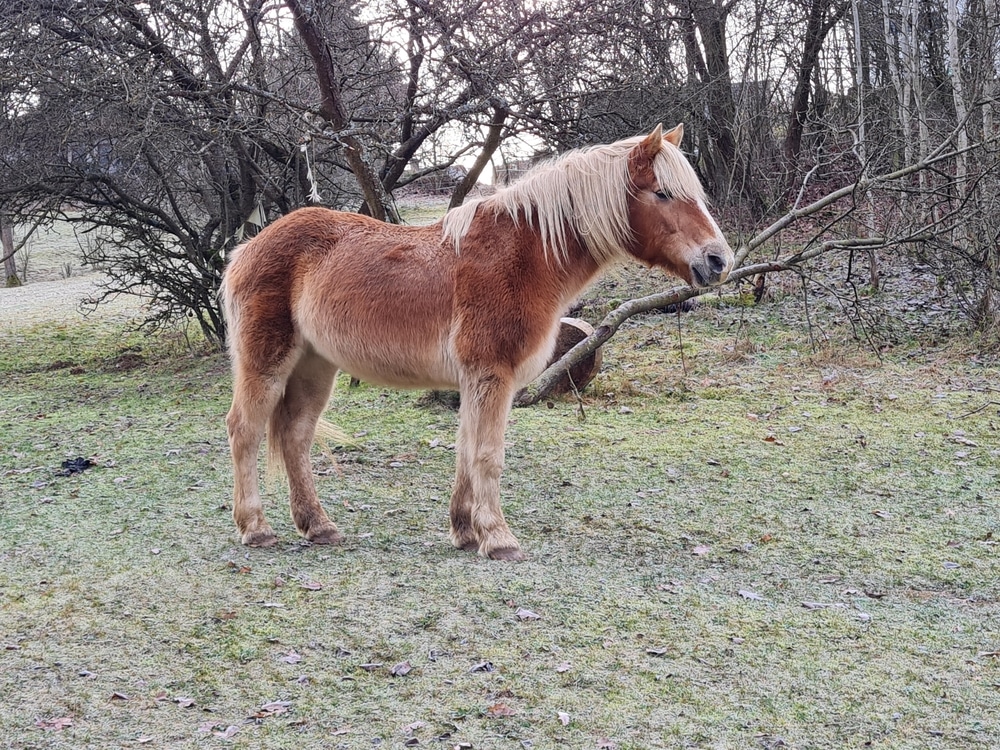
point(395, 363)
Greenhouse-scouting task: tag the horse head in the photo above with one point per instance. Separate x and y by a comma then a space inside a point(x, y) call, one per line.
point(671, 226)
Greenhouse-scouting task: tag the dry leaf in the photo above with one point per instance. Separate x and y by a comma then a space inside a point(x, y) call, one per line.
point(563, 718)
point(527, 614)
point(228, 732)
point(371, 666)
point(821, 605)
point(751, 595)
point(657, 651)
point(500, 709)
point(700, 549)
point(291, 657)
point(564, 667)
point(184, 702)
point(402, 669)
point(54, 724)
point(274, 708)
point(312, 585)
point(483, 666)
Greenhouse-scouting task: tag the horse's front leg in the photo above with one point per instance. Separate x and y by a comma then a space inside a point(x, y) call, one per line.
point(477, 522)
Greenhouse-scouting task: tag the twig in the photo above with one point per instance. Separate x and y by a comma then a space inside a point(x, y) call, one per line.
point(985, 406)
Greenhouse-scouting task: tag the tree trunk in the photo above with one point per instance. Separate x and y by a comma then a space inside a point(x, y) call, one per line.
point(866, 208)
point(7, 251)
point(958, 96)
point(817, 28)
point(490, 146)
point(332, 110)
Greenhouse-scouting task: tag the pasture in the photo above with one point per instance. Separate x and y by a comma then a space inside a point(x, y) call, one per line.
point(745, 543)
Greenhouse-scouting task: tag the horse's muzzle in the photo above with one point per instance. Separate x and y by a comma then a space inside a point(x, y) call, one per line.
point(712, 266)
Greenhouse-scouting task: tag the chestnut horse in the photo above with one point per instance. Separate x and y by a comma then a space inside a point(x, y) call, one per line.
point(471, 302)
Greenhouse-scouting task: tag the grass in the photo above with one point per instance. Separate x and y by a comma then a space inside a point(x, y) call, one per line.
point(753, 546)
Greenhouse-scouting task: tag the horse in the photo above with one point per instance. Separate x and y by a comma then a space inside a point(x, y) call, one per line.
point(472, 302)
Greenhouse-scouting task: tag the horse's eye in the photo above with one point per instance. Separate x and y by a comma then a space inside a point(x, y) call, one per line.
point(663, 195)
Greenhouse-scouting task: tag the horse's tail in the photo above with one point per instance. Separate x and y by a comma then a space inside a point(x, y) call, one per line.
point(230, 311)
point(327, 436)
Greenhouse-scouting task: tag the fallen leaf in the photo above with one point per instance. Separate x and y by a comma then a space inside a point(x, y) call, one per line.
point(411, 728)
point(483, 666)
point(605, 744)
point(402, 669)
point(274, 708)
point(564, 667)
point(821, 605)
point(700, 549)
point(527, 614)
point(312, 585)
point(771, 438)
point(563, 718)
point(208, 726)
point(751, 595)
point(291, 657)
point(500, 709)
point(56, 725)
point(657, 651)
point(228, 732)
point(184, 702)
point(116, 696)
point(371, 666)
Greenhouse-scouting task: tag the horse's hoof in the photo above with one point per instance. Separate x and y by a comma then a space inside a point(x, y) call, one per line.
point(510, 554)
point(324, 535)
point(260, 538)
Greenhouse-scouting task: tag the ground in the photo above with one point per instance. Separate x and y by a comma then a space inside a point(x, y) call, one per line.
point(761, 534)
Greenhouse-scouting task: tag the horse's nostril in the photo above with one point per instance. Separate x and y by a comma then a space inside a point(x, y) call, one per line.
point(717, 263)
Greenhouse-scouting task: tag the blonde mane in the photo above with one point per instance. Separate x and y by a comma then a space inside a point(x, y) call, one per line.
point(584, 192)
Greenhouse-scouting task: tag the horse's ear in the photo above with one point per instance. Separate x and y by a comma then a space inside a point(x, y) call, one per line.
point(652, 144)
point(676, 135)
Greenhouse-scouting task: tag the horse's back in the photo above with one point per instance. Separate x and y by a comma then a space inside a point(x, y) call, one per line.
point(372, 298)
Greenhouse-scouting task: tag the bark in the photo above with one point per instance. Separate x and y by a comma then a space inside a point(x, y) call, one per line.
point(7, 251)
point(490, 146)
point(332, 111)
point(818, 25)
point(958, 96)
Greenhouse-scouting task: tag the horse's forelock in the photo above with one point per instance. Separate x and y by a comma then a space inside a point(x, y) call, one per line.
point(586, 190)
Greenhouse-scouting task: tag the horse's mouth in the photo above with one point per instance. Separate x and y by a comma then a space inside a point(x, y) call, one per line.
point(711, 270)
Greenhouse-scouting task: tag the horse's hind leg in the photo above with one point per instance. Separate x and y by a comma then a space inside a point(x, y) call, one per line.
point(476, 517)
point(254, 397)
point(292, 431)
